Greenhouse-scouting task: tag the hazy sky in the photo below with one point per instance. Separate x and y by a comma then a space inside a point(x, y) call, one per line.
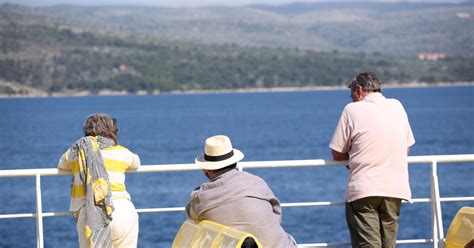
point(189, 3)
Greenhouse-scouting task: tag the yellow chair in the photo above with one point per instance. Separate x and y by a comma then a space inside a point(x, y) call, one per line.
point(461, 231)
point(208, 234)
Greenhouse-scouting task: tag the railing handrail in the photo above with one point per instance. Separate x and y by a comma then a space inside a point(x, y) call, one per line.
point(438, 232)
point(283, 205)
point(244, 165)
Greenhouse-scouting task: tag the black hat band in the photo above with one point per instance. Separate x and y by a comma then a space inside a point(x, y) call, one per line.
point(219, 158)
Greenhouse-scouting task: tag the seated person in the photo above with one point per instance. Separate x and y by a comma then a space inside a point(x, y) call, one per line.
point(236, 199)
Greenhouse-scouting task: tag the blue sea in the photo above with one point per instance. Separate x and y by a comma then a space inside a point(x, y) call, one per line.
point(164, 129)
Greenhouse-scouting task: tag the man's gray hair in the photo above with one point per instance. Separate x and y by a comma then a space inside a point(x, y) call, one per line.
point(367, 80)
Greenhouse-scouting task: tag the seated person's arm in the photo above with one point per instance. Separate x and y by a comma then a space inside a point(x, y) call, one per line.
point(190, 211)
point(190, 214)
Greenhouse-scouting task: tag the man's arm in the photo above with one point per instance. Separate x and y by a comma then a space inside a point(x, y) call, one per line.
point(341, 139)
point(339, 156)
point(190, 213)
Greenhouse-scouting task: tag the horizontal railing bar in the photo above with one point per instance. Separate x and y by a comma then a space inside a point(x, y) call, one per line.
point(166, 168)
point(323, 162)
point(56, 214)
point(416, 200)
point(155, 210)
point(323, 245)
point(441, 158)
point(455, 199)
point(33, 215)
point(405, 241)
point(17, 216)
point(312, 204)
point(31, 172)
point(415, 241)
point(180, 209)
point(245, 165)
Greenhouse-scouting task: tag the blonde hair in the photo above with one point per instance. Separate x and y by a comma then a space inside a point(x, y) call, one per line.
point(99, 124)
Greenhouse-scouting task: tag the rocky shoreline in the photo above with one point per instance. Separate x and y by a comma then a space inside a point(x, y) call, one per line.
point(28, 92)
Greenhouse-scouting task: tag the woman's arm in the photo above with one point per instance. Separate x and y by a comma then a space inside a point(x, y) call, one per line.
point(135, 162)
point(63, 163)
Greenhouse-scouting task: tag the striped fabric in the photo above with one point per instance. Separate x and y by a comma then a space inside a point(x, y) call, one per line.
point(98, 207)
point(117, 160)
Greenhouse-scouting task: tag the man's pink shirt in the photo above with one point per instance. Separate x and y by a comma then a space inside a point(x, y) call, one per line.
point(376, 134)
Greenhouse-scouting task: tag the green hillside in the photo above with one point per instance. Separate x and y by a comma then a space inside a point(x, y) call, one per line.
point(389, 28)
point(41, 51)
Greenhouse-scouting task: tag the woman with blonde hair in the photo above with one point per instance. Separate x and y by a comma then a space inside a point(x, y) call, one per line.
point(105, 214)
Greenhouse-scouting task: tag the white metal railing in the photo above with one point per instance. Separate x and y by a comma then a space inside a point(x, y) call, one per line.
point(438, 234)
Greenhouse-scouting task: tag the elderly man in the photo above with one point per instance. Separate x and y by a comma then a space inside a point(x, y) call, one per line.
point(237, 199)
point(374, 134)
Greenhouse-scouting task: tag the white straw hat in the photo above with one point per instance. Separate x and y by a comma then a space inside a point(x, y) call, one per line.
point(218, 153)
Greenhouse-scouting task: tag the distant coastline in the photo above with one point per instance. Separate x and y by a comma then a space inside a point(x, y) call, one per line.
point(39, 94)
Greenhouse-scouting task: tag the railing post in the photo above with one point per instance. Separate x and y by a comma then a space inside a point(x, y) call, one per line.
point(39, 214)
point(437, 218)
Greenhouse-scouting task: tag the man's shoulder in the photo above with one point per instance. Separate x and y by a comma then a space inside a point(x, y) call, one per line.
point(395, 104)
point(361, 105)
point(257, 183)
point(354, 107)
point(395, 101)
point(232, 179)
point(250, 176)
